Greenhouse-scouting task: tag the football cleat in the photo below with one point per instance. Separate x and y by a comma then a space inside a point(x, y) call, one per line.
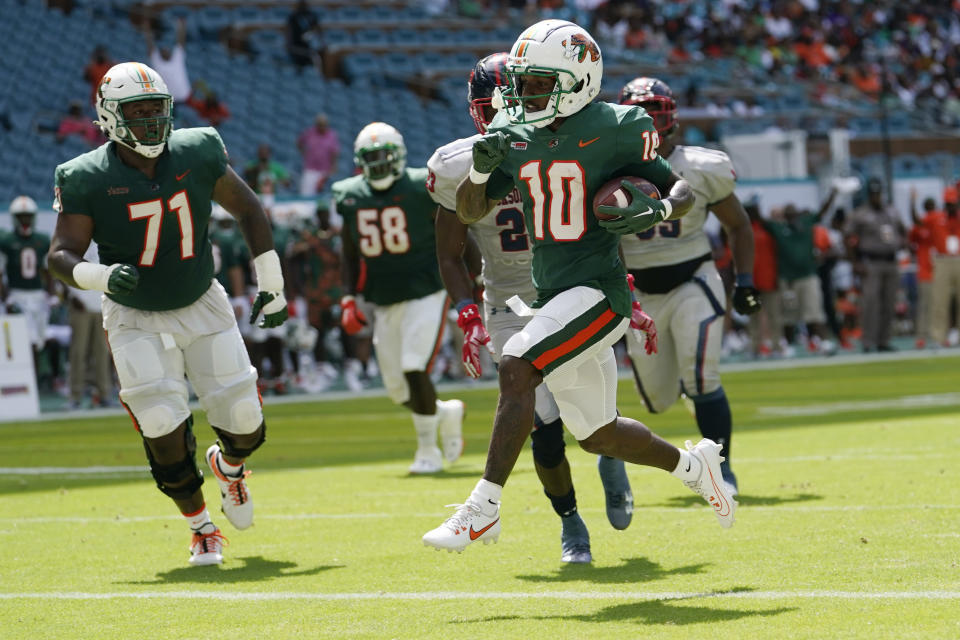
point(709, 483)
point(207, 548)
point(575, 541)
point(616, 486)
point(729, 478)
point(450, 414)
point(235, 500)
point(428, 460)
point(468, 524)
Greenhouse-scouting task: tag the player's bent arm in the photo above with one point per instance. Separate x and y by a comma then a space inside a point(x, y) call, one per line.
point(70, 240)
point(472, 201)
point(452, 242)
point(242, 203)
point(349, 263)
point(680, 196)
point(735, 220)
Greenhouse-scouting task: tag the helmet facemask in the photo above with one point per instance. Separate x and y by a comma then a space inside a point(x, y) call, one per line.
point(23, 223)
point(515, 102)
point(156, 129)
point(381, 165)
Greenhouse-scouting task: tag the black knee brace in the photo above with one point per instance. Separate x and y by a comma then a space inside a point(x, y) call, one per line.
point(180, 479)
point(232, 444)
point(547, 444)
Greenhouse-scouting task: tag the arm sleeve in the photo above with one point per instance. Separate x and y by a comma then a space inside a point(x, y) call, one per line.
point(635, 132)
point(68, 194)
point(499, 185)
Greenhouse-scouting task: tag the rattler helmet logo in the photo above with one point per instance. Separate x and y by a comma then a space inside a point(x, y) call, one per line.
point(578, 46)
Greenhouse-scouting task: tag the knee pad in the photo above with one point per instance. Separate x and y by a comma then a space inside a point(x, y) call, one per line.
point(547, 444)
point(236, 406)
point(241, 445)
point(180, 479)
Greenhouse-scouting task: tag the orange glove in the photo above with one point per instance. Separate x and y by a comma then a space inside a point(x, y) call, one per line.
point(351, 319)
point(474, 336)
point(640, 321)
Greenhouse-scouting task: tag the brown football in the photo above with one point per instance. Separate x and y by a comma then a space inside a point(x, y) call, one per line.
point(614, 195)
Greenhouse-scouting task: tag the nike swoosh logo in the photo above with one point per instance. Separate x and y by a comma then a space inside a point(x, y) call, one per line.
point(643, 213)
point(476, 534)
point(183, 175)
point(588, 142)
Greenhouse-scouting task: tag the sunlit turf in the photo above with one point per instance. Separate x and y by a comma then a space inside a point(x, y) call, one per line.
point(848, 527)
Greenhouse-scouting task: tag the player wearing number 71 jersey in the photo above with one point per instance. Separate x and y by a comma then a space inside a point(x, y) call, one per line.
point(145, 198)
point(388, 224)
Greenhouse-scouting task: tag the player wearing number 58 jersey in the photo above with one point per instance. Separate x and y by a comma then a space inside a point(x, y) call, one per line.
point(145, 198)
point(388, 228)
point(558, 146)
point(678, 283)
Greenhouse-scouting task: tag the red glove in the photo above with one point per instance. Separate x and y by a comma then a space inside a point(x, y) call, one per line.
point(351, 319)
point(474, 335)
point(640, 321)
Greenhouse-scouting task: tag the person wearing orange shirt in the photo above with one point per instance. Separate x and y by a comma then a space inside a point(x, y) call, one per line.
point(945, 229)
point(921, 241)
point(766, 326)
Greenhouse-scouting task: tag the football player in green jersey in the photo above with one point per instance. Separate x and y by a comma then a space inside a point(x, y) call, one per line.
point(25, 253)
point(388, 225)
point(558, 147)
point(145, 198)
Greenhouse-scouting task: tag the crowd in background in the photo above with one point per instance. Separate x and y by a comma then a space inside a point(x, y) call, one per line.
point(830, 280)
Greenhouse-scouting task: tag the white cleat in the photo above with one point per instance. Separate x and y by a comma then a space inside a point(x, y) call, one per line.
point(710, 483)
point(235, 500)
point(426, 461)
point(207, 548)
point(468, 524)
point(450, 415)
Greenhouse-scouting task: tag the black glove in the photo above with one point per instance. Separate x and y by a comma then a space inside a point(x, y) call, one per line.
point(123, 280)
point(746, 300)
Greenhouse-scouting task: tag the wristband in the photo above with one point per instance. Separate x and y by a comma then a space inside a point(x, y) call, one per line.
point(667, 208)
point(463, 304)
point(269, 273)
point(476, 177)
point(90, 275)
point(744, 279)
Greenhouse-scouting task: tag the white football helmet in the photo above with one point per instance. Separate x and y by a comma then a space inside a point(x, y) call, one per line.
point(24, 212)
point(130, 82)
point(556, 48)
point(380, 152)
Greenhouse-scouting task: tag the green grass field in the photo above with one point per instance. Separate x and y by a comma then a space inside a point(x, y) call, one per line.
point(849, 527)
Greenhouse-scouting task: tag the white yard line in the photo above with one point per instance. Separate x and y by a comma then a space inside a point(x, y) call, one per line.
point(902, 402)
point(495, 595)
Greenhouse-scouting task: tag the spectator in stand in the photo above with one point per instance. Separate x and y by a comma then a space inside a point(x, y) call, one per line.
point(320, 149)
point(875, 233)
point(921, 243)
point(797, 271)
point(766, 326)
point(264, 174)
point(77, 123)
point(171, 63)
point(89, 353)
point(207, 104)
point(98, 65)
point(946, 265)
point(301, 23)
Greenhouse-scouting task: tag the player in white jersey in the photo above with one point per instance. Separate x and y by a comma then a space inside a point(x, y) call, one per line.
point(677, 281)
point(502, 241)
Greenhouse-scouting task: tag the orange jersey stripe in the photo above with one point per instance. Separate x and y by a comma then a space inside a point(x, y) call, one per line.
point(578, 339)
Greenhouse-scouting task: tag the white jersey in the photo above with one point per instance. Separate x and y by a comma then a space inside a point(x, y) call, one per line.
point(501, 234)
point(712, 178)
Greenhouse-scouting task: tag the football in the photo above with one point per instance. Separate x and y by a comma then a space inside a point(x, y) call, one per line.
point(614, 195)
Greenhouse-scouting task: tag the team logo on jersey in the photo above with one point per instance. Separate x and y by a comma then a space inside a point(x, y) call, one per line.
point(349, 201)
point(519, 146)
point(553, 143)
point(117, 191)
point(578, 46)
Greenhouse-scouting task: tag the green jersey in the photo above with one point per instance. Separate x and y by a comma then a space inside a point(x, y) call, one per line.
point(229, 251)
point(26, 257)
point(795, 259)
point(394, 234)
point(160, 224)
point(558, 173)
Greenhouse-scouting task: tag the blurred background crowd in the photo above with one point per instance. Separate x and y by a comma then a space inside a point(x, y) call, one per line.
point(856, 102)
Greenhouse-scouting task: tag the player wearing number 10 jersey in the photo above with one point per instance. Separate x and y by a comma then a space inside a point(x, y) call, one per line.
point(558, 147)
point(144, 197)
point(388, 228)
